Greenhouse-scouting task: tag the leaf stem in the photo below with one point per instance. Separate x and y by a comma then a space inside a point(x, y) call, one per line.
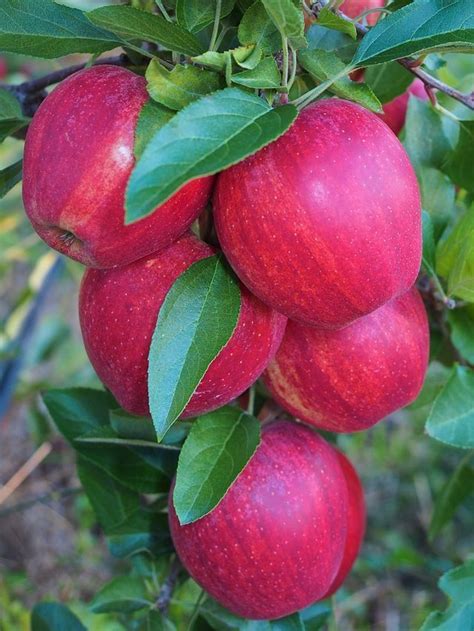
point(286, 61)
point(163, 10)
point(215, 29)
point(251, 403)
point(294, 68)
point(196, 610)
point(313, 94)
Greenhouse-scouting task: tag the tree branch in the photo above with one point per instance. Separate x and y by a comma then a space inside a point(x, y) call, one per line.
point(164, 597)
point(430, 82)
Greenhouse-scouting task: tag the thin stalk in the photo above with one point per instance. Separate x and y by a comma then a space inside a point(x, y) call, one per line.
point(251, 403)
point(306, 99)
point(215, 30)
point(294, 67)
point(163, 10)
point(286, 61)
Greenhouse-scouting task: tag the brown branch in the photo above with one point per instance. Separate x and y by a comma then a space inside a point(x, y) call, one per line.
point(430, 82)
point(164, 597)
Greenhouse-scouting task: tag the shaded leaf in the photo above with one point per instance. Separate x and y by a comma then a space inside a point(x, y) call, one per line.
point(11, 118)
point(388, 81)
point(132, 24)
point(341, 45)
point(451, 419)
point(10, 176)
point(460, 164)
point(425, 138)
point(123, 594)
point(461, 322)
point(257, 28)
point(230, 124)
point(196, 320)
point(289, 20)
point(438, 197)
point(143, 531)
point(152, 118)
point(429, 247)
point(218, 448)
point(264, 76)
point(455, 258)
point(329, 19)
point(50, 616)
point(195, 15)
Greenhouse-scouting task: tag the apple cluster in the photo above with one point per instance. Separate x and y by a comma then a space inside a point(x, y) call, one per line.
point(323, 229)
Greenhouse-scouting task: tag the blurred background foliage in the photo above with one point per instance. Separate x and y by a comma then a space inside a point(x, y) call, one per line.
point(50, 545)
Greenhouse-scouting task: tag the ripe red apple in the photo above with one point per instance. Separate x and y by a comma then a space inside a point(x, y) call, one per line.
point(355, 520)
point(79, 154)
point(118, 310)
point(354, 8)
point(275, 542)
point(394, 112)
point(324, 224)
point(349, 379)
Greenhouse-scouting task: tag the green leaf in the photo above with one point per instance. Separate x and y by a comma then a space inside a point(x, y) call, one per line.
point(290, 623)
point(49, 616)
point(388, 81)
point(180, 86)
point(218, 448)
point(42, 28)
point(134, 427)
point(458, 585)
point(288, 19)
point(81, 413)
point(143, 531)
point(155, 621)
point(341, 45)
point(458, 488)
point(152, 118)
point(460, 164)
point(461, 322)
point(438, 197)
point(425, 138)
point(435, 380)
point(195, 322)
point(264, 76)
point(230, 124)
point(429, 248)
point(11, 118)
point(195, 15)
point(315, 617)
point(451, 419)
point(419, 28)
point(257, 28)
point(322, 65)
point(132, 24)
point(327, 18)
point(123, 594)
point(10, 176)
point(455, 258)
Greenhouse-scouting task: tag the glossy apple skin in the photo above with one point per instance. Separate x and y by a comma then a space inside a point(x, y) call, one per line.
point(79, 154)
point(324, 224)
point(275, 542)
point(349, 379)
point(118, 311)
point(395, 111)
point(354, 8)
point(356, 520)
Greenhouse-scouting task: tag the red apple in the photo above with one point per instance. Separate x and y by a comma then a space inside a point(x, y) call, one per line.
point(118, 312)
point(349, 379)
point(3, 68)
point(356, 522)
point(324, 224)
point(275, 542)
point(79, 154)
point(395, 111)
point(354, 8)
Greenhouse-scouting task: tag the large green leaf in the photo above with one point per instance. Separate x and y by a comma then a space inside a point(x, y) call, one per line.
point(459, 486)
point(459, 167)
point(43, 28)
point(458, 585)
point(180, 86)
point(216, 451)
point(257, 28)
point(323, 65)
point(195, 15)
point(84, 413)
point(50, 616)
point(340, 44)
point(123, 594)
point(230, 124)
point(451, 419)
point(289, 20)
point(423, 26)
point(10, 176)
point(195, 322)
point(132, 24)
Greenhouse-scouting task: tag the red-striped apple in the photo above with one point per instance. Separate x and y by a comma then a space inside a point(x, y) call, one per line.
point(349, 379)
point(118, 311)
point(79, 154)
point(275, 542)
point(324, 224)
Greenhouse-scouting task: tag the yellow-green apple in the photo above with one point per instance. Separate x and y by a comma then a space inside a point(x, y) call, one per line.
point(395, 111)
point(79, 154)
point(324, 224)
point(275, 542)
point(347, 380)
point(118, 310)
point(355, 522)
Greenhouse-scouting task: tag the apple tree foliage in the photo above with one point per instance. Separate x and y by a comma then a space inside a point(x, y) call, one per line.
point(234, 73)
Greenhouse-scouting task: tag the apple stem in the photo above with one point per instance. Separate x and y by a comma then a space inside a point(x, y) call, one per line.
point(164, 597)
point(215, 30)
